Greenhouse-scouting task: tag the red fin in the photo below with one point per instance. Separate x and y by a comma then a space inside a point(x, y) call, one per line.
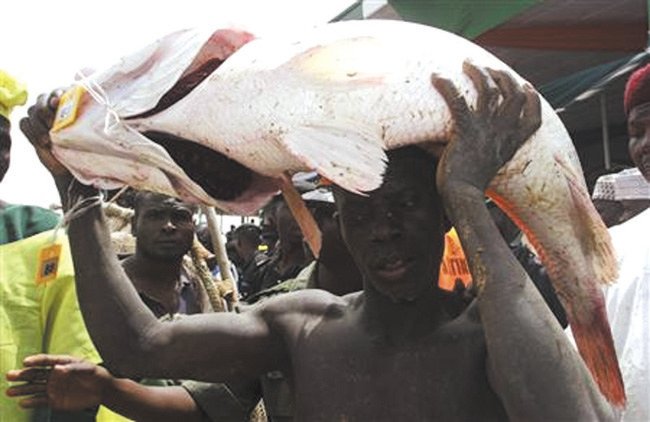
point(594, 341)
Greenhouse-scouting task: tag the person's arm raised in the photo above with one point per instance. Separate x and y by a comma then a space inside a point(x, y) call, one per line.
point(132, 342)
point(532, 367)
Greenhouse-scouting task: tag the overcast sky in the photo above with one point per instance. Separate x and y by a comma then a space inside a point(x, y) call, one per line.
point(45, 42)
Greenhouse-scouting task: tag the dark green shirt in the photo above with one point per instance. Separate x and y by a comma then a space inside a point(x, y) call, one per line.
point(21, 221)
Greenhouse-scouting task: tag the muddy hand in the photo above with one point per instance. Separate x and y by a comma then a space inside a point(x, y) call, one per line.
point(36, 128)
point(484, 139)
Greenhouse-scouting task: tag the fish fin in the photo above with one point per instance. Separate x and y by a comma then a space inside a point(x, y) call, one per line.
point(595, 232)
point(595, 344)
point(354, 62)
point(351, 158)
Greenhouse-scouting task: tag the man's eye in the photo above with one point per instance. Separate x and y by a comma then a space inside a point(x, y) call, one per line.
point(182, 216)
point(154, 215)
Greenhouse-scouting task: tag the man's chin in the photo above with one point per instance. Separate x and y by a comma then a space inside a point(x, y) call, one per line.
point(404, 299)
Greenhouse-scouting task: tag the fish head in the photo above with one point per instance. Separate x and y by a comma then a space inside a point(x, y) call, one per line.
point(96, 142)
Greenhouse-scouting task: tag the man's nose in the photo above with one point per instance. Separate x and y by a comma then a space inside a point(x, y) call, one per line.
point(386, 228)
point(169, 225)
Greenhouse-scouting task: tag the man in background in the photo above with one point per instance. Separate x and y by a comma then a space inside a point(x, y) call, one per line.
point(16, 221)
point(628, 300)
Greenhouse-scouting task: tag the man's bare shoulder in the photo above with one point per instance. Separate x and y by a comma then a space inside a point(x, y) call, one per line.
point(289, 314)
point(306, 302)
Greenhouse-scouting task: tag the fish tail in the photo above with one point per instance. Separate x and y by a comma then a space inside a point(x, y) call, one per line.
point(594, 339)
point(595, 344)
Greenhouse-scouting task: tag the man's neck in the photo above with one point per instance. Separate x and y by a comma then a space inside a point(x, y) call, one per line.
point(153, 274)
point(394, 322)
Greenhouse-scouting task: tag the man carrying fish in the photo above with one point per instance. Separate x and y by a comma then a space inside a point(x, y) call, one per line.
point(390, 352)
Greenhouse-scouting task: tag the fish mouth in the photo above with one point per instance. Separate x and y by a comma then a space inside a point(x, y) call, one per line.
point(220, 177)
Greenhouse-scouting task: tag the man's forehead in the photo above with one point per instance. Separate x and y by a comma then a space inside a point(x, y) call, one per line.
point(161, 201)
point(640, 111)
point(391, 189)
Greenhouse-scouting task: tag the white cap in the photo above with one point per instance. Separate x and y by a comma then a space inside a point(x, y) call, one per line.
point(321, 194)
point(628, 184)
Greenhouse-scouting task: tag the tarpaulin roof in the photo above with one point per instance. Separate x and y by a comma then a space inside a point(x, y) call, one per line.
point(570, 50)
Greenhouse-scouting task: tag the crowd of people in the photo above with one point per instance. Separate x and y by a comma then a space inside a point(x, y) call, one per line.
point(385, 324)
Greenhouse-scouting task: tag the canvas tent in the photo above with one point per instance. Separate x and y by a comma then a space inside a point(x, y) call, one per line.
point(578, 53)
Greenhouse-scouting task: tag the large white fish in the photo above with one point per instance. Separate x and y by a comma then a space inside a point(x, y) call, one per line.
point(217, 118)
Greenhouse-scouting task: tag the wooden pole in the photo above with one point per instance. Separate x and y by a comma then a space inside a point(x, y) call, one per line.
point(305, 219)
point(605, 128)
point(220, 250)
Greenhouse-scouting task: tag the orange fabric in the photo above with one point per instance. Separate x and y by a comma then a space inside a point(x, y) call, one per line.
point(454, 265)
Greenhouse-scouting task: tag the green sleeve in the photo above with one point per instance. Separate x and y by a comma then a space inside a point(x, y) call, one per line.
point(22, 221)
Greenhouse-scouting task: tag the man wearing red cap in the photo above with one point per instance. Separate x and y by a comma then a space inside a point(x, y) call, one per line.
point(637, 107)
point(628, 301)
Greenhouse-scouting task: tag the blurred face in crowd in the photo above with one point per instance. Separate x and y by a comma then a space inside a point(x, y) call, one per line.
point(325, 215)
point(288, 229)
point(163, 226)
point(638, 124)
point(269, 228)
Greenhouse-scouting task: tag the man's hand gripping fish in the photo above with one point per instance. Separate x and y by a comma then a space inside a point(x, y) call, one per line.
point(217, 118)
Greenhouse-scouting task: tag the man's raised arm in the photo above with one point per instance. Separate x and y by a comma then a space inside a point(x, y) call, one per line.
point(132, 342)
point(532, 367)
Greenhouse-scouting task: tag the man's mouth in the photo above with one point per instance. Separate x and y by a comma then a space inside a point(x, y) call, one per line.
point(167, 242)
point(393, 268)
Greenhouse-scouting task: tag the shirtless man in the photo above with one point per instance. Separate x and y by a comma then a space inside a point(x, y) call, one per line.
point(390, 352)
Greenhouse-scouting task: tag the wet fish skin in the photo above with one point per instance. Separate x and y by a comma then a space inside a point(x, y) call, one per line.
point(337, 99)
point(354, 91)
